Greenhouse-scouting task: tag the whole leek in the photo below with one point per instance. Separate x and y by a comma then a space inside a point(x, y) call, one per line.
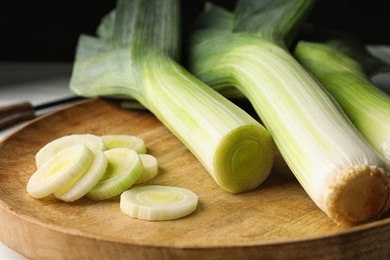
point(338, 169)
point(136, 56)
point(343, 66)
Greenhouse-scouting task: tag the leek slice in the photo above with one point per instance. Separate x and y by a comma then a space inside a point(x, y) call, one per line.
point(157, 203)
point(124, 141)
point(94, 142)
point(150, 168)
point(123, 168)
point(59, 170)
point(322, 147)
point(84, 183)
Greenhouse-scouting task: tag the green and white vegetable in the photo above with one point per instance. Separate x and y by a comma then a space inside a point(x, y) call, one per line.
point(338, 169)
point(156, 203)
point(46, 152)
point(150, 168)
point(125, 141)
point(124, 167)
point(136, 56)
point(61, 169)
point(81, 185)
point(344, 68)
point(73, 170)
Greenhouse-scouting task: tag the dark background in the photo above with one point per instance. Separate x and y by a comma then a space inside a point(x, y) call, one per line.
point(47, 30)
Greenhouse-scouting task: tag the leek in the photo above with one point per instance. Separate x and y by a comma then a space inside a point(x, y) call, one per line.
point(124, 141)
point(157, 203)
point(338, 169)
point(124, 167)
point(81, 185)
point(65, 166)
point(50, 149)
point(150, 168)
point(344, 67)
point(136, 56)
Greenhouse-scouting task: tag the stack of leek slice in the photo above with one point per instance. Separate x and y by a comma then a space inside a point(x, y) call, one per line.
point(102, 167)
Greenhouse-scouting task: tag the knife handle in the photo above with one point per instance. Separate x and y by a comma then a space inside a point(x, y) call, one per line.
point(16, 113)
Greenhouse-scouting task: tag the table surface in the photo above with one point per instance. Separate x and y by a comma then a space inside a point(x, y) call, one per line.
point(42, 82)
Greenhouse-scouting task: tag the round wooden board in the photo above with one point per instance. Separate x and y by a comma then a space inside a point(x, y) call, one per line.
point(275, 221)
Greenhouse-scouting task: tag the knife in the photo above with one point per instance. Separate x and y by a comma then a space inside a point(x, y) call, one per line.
point(19, 112)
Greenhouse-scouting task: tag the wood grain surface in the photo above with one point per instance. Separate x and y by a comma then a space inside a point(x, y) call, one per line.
point(275, 221)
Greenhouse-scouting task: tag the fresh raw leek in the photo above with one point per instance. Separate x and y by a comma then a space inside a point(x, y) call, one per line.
point(150, 168)
point(124, 141)
point(344, 67)
point(338, 169)
point(137, 56)
point(61, 169)
point(124, 167)
point(157, 203)
point(50, 149)
point(83, 183)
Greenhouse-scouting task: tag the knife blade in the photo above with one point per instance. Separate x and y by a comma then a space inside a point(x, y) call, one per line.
point(22, 111)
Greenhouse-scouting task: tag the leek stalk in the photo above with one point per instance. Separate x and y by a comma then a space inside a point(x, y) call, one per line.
point(344, 67)
point(338, 169)
point(136, 56)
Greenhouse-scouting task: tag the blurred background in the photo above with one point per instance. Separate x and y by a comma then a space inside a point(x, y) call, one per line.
point(47, 30)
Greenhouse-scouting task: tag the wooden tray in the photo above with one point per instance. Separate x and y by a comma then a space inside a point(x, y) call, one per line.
point(275, 221)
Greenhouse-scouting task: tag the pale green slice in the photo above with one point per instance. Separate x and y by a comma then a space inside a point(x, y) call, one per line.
point(59, 170)
point(150, 168)
point(46, 152)
point(82, 185)
point(155, 202)
point(124, 141)
point(123, 169)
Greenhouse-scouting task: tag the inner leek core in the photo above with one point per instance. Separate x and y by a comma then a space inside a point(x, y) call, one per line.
point(161, 197)
point(247, 156)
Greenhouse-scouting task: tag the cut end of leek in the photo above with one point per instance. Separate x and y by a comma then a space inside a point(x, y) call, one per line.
point(157, 203)
point(360, 194)
point(250, 159)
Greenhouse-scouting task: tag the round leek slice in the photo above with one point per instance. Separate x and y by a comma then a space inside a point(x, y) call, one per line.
point(81, 186)
point(46, 152)
point(123, 168)
point(124, 141)
point(156, 202)
point(150, 168)
point(59, 170)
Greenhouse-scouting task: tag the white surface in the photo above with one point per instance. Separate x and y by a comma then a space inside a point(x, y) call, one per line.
point(39, 82)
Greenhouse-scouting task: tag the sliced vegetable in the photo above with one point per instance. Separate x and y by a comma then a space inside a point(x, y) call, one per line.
point(338, 169)
point(124, 141)
point(124, 167)
point(156, 202)
point(129, 62)
point(60, 170)
point(81, 185)
point(150, 168)
point(343, 66)
point(50, 149)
